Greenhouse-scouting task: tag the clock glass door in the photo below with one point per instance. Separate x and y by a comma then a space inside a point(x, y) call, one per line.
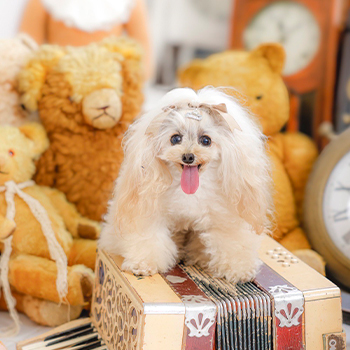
point(290, 24)
point(336, 205)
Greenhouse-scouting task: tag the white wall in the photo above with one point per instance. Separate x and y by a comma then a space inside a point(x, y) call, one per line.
point(10, 17)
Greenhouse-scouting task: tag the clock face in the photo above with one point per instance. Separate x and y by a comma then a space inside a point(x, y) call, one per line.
point(336, 205)
point(290, 24)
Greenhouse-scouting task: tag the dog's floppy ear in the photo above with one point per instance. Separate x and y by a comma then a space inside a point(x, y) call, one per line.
point(143, 175)
point(245, 170)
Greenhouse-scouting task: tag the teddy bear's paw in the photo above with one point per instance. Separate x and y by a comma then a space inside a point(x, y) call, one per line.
point(7, 229)
point(89, 229)
point(140, 269)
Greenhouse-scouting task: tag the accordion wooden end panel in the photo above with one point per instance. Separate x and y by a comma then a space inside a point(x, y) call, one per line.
point(288, 306)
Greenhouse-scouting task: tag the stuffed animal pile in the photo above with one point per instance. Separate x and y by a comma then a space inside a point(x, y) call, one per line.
point(86, 98)
point(14, 53)
point(256, 80)
point(28, 213)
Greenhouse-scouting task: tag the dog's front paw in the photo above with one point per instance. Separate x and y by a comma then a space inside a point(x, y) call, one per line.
point(140, 268)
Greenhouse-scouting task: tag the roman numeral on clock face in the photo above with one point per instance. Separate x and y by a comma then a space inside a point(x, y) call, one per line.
point(346, 237)
point(340, 215)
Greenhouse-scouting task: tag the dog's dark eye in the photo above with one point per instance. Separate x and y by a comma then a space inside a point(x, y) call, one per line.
point(176, 139)
point(205, 140)
point(259, 97)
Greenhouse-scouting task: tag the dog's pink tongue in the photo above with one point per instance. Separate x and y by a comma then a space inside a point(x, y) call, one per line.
point(190, 179)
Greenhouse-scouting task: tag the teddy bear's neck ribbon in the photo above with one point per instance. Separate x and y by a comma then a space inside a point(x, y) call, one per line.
point(56, 252)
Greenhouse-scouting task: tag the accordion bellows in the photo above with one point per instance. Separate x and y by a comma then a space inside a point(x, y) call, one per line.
point(287, 306)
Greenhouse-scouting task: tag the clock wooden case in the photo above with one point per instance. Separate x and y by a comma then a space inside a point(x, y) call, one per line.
point(327, 207)
point(319, 23)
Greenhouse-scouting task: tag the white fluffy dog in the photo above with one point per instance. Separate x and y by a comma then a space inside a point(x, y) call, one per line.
point(194, 185)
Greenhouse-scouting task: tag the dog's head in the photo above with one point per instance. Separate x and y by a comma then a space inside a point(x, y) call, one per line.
point(187, 136)
point(190, 139)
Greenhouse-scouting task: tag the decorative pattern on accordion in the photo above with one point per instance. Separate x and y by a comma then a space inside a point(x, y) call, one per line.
point(113, 311)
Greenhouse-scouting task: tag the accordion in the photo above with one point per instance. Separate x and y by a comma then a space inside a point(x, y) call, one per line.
point(288, 306)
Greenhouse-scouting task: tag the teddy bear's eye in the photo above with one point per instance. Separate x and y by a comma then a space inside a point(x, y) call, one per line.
point(259, 97)
point(11, 153)
point(23, 106)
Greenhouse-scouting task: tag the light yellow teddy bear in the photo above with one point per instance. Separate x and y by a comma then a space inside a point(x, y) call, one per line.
point(42, 231)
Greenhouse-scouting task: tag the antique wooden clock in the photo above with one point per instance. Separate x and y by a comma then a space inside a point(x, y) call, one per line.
point(309, 31)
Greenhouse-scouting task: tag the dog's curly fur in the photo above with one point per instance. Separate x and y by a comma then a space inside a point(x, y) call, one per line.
point(152, 223)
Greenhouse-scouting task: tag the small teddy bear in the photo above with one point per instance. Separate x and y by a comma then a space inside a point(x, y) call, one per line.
point(14, 53)
point(255, 78)
point(86, 98)
point(38, 228)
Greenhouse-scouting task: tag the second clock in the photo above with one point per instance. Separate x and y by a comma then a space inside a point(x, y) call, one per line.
point(308, 30)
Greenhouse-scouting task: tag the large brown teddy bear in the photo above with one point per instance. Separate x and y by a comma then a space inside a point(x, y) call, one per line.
point(256, 79)
point(86, 98)
point(34, 209)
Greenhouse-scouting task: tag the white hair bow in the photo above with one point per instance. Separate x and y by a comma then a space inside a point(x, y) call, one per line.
point(56, 251)
point(218, 112)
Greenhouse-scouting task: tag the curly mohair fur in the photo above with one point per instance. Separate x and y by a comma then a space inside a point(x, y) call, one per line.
point(83, 160)
point(152, 223)
point(14, 53)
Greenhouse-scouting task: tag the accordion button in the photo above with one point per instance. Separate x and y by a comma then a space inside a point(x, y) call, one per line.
point(285, 264)
point(269, 252)
point(294, 261)
point(278, 249)
point(288, 256)
point(274, 256)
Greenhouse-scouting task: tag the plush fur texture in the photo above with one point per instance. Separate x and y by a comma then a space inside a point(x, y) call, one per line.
point(14, 53)
point(86, 98)
point(31, 270)
point(152, 223)
point(256, 76)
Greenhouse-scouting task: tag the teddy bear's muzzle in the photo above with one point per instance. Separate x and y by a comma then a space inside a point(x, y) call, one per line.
point(102, 108)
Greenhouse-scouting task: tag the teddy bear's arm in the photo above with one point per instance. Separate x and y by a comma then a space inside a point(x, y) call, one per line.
point(33, 21)
point(76, 224)
point(300, 154)
point(7, 227)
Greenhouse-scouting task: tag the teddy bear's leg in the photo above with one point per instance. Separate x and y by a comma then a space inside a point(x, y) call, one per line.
point(296, 242)
point(77, 225)
point(43, 311)
point(83, 252)
point(37, 276)
point(300, 154)
point(295, 239)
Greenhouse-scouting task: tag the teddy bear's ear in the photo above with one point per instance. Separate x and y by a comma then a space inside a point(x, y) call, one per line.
point(274, 53)
point(32, 76)
point(126, 47)
point(37, 134)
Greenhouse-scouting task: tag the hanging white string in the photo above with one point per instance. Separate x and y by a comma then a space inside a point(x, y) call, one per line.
point(56, 252)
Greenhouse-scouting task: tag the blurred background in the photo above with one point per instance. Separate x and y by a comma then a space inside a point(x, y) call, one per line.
point(314, 33)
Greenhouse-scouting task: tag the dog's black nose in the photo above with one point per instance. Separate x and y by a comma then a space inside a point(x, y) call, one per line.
point(188, 158)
